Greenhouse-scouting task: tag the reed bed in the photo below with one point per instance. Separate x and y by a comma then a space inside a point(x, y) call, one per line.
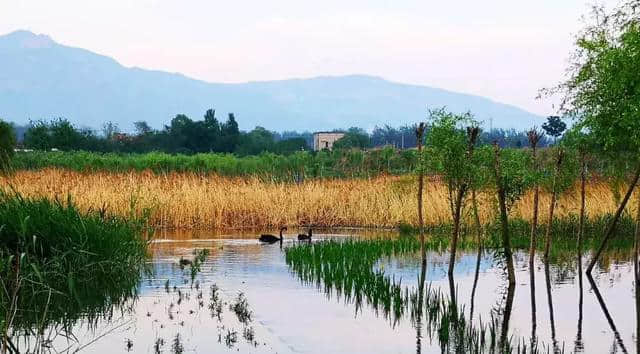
point(59, 266)
point(198, 201)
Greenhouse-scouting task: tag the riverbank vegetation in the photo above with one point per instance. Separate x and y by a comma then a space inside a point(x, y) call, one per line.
point(186, 200)
point(59, 265)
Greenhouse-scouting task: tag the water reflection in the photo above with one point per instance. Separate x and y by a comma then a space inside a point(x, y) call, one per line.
point(605, 310)
point(395, 304)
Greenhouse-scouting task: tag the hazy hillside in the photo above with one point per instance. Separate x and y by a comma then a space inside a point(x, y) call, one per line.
point(40, 78)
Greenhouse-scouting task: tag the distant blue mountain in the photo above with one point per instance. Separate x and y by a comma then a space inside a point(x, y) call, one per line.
point(40, 78)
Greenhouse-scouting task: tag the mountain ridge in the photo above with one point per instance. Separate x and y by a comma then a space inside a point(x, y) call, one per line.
point(42, 79)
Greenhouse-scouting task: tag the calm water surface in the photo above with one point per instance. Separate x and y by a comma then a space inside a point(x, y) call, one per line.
point(288, 316)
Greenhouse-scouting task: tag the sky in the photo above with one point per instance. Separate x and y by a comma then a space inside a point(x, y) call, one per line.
point(502, 49)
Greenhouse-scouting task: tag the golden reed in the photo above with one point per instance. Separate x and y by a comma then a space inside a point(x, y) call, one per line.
point(192, 201)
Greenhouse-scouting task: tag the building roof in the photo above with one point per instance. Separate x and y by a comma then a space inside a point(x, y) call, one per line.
point(328, 133)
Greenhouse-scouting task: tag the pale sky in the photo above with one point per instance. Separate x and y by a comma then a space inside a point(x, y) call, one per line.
point(502, 49)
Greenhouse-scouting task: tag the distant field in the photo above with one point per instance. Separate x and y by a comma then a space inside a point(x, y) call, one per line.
point(352, 163)
point(190, 200)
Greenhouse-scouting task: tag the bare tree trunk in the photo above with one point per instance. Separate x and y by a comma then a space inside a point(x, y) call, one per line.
point(612, 226)
point(636, 269)
point(472, 134)
point(550, 302)
point(534, 138)
point(607, 314)
point(421, 280)
point(583, 202)
point(552, 205)
point(583, 199)
point(506, 317)
point(476, 217)
point(419, 134)
point(504, 218)
point(456, 227)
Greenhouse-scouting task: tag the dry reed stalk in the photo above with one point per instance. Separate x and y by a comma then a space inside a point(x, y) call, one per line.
point(194, 201)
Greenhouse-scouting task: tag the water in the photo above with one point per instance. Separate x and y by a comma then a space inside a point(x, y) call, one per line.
point(289, 316)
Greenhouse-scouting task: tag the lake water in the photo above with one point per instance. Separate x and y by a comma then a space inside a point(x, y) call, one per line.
point(172, 313)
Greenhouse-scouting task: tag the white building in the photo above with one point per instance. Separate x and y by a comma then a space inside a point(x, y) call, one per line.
point(325, 140)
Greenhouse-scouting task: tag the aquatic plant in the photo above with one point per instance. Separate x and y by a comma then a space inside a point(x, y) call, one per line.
point(347, 269)
point(59, 265)
point(241, 308)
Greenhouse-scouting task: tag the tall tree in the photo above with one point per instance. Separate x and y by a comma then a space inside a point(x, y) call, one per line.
point(420, 128)
point(230, 134)
point(451, 155)
point(554, 126)
point(7, 145)
point(602, 91)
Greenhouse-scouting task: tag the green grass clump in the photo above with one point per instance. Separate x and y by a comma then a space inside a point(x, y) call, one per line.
point(58, 265)
point(348, 270)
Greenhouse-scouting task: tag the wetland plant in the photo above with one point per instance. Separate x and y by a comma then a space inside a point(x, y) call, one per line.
point(176, 346)
point(241, 308)
point(59, 265)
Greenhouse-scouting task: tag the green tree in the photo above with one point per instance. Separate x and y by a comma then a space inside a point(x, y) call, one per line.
point(7, 145)
point(353, 138)
point(602, 91)
point(449, 153)
point(37, 136)
point(554, 126)
point(142, 128)
point(230, 134)
point(64, 136)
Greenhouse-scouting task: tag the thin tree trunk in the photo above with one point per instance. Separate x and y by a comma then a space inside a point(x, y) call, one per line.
point(637, 243)
point(534, 137)
point(504, 218)
point(583, 203)
point(421, 280)
point(476, 217)
point(547, 278)
point(605, 310)
point(636, 269)
point(583, 199)
point(534, 322)
point(612, 225)
point(534, 221)
point(472, 134)
point(504, 333)
point(456, 227)
point(419, 134)
point(552, 205)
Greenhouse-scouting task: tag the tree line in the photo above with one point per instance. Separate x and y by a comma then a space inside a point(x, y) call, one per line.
point(187, 136)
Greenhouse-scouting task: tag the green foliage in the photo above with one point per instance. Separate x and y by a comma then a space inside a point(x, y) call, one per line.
point(446, 152)
point(554, 126)
point(60, 265)
point(516, 174)
point(7, 145)
point(339, 163)
point(602, 90)
point(354, 138)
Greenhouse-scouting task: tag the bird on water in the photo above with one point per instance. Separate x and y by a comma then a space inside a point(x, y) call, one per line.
point(271, 238)
point(305, 237)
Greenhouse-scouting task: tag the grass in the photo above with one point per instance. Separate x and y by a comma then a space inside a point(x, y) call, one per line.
point(347, 270)
point(59, 265)
point(194, 201)
point(351, 163)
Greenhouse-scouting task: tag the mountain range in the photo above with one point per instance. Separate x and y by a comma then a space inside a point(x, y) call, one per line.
point(42, 79)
